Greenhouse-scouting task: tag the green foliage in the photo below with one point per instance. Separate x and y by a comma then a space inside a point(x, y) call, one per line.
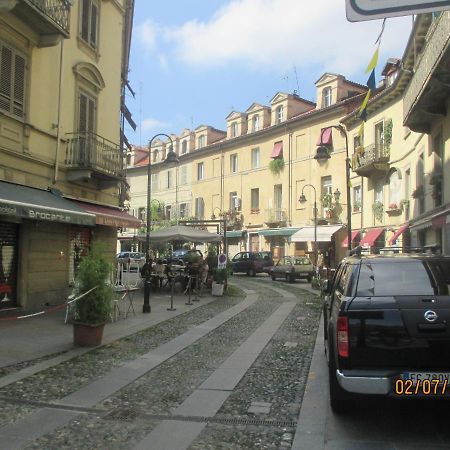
point(276, 166)
point(94, 270)
point(327, 200)
point(388, 133)
point(211, 257)
point(220, 276)
point(233, 291)
point(378, 210)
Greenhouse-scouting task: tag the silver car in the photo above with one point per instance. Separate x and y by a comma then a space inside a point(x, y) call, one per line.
point(292, 267)
point(131, 260)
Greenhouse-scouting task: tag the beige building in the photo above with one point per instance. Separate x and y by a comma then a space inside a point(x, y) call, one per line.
point(63, 74)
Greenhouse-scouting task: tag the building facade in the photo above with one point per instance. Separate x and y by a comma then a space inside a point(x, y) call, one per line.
point(62, 169)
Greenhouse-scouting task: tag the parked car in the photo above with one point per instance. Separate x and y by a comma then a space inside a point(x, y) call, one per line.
point(250, 263)
point(292, 268)
point(267, 261)
point(131, 260)
point(387, 328)
point(183, 254)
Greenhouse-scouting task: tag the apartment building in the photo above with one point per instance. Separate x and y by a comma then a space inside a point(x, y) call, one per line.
point(253, 173)
point(62, 175)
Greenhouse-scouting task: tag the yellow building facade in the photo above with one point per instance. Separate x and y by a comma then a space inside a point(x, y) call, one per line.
point(61, 160)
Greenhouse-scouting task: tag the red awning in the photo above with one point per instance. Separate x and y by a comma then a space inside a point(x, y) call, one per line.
point(370, 237)
point(110, 217)
point(325, 137)
point(277, 151)
point(397, 234)
point(354, 234)
point(438, 222)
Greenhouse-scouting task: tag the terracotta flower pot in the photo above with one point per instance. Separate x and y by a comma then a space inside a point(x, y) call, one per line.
point(86, 335)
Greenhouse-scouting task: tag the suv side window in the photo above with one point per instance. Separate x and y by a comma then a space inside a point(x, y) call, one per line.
point(237, 257)
point(346, 280)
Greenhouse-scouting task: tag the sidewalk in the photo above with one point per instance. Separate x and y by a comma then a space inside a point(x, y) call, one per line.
point(47, 334)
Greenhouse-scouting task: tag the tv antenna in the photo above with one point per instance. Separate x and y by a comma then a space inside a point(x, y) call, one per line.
point(296, 79)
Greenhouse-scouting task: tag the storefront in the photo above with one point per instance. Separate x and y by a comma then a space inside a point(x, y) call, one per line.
point(34, 237)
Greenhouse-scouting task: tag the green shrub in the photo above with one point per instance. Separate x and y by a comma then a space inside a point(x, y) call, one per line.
point(94, 270)
point(276, 165)
point(220, 276)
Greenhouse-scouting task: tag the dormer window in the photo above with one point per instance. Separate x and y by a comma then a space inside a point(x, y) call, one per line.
point(279, 113)
point(184, 147)
point(201, 141)
point(391, 77)
point(155, 156)
point(234, 129)
point(255, 123)
point(326, 97)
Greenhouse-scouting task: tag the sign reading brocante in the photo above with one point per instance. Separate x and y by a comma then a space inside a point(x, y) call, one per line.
point(358, 10)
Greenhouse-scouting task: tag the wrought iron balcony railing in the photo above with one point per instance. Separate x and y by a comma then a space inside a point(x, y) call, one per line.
point(93, 152)
point(56, 10)
point(275, 216)
point(372, 158)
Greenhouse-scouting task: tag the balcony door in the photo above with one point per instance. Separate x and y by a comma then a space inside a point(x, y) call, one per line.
point(87, 108)
point(278, 201)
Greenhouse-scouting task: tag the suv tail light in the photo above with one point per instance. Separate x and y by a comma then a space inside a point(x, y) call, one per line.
point(342, 336)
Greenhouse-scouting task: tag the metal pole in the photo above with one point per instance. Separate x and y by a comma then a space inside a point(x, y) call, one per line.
point(172, 282)
point(315, 219)
point(347, 179)
point(146, 307)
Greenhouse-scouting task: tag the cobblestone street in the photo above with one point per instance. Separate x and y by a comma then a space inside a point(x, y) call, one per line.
point(229, 374)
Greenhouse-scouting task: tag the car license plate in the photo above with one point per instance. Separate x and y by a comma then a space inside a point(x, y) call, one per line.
point(420, 376)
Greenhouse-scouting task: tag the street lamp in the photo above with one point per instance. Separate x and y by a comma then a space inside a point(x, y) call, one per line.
point(213, 216)
point(302, 199)
point(171, 156)
point(323, 154)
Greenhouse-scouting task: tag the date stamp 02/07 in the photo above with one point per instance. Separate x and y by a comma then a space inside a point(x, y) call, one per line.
point(420, 387)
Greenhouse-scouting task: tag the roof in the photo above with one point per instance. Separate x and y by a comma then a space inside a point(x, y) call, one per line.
point(396, 258)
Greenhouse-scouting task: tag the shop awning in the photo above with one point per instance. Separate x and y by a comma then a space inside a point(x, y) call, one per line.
point(324, 233)
point(278, 232)
point(17, 201)
point(110, 217)
point(234, 234)
point(397, 234)
point(370, 237)
point(354, 234)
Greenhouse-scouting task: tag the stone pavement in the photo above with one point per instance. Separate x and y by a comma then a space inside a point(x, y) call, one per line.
point(204, 401)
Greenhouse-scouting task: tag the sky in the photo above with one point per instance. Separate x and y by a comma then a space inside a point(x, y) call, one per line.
point(193, 62)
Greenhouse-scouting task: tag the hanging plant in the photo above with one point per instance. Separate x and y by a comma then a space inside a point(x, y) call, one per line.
point(276, 165)
point(418, 192)
point(388, 133)
point(378, 210)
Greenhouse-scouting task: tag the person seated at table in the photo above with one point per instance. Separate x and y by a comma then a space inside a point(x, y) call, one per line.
point(147, 269)
point(159, 272)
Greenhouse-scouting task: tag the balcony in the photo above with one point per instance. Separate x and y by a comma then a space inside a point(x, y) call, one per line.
point(275, 218)
point(89, 156)
point(426, 94)
point(373, 160)
point(48, 18)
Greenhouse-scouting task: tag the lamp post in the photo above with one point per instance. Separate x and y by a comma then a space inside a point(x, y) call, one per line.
point(323, 154)
point(171, 156)
point(302, 199)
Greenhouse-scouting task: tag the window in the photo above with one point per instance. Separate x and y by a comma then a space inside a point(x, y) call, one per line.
point(254, 200)
point(155, 182)
point(183, 175)
point(199, 208)
point(89, 22)
point(436, 178)
point(201, 141)
point(420, 177)
point(168, 212)
point(200, 171)
point(169, 179)
point(234, 202)
point(184, 147)
point(378, 192)
point(326, 97)
point(155, 155)
point(407, 191)
point(234, 163)
point(87, 111)
point(142, 216)
point(12, 81)
point(278, 201)
point(234, 129)
point(326, 194)
point(379, 138)
point(357, 142)
point(279, 114)
point(255, 125)
point(357, 198)
point(255, 158)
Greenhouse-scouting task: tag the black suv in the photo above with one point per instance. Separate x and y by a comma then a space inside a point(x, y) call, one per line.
point(387, 328)
point(251, 263)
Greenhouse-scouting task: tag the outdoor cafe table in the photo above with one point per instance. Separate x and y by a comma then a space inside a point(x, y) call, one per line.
point(127, 297)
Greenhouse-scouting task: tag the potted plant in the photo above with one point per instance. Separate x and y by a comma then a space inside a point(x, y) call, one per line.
point(92, 311)
point(418, 192)
point(356, 206)
point(220, 279)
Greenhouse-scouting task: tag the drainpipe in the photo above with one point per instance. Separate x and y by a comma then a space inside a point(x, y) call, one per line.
point(58, 119)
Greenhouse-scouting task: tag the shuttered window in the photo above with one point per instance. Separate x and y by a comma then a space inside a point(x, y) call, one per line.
point(12, 81)
point(89, 22)
point(87, 112)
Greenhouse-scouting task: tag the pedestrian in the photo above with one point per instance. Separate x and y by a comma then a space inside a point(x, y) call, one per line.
point(159, 273)
point(205, 270)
